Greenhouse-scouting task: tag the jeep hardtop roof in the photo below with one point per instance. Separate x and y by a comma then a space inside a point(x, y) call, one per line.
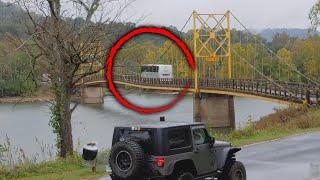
point(159, 125)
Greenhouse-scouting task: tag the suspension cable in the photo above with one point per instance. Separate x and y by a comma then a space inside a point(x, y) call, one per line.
point(261, 73)
point(161, 56)
point(316, 82)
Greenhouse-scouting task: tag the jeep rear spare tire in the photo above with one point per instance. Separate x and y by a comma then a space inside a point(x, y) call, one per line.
point(126, 160)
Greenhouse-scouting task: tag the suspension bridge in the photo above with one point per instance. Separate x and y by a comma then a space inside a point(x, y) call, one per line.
point(230, 61)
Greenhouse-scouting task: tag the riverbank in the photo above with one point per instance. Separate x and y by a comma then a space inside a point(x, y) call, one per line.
point(24, 100)
point(283, 123)
point(43, 94)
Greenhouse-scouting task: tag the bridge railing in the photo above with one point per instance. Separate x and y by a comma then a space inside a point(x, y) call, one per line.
point(166, 82)
point(288, 91)
point(91, 78)
point(261, 88)
point(277, 90)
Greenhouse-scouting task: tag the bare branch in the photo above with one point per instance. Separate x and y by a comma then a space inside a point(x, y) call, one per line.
point(55, 7)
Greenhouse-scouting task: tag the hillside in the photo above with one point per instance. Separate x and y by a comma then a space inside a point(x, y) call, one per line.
point(10, 16)
point(292, 32)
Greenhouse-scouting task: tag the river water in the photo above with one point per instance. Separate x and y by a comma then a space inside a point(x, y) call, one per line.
point(26, 125)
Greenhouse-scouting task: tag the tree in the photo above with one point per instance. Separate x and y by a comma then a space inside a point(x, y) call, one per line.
point(285, 63)
point(150, 57)
point(64, 45)
point(10, 17)
point(307, 52)
point(314, 16)
point(280, 40)
point(312, 68)
point(18, 77)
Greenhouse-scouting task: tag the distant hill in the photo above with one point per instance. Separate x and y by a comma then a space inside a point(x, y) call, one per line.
point(10, 15)
point(292, 32)
point(13, 19)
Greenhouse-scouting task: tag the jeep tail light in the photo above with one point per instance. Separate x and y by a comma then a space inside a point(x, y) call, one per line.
point(159, 161)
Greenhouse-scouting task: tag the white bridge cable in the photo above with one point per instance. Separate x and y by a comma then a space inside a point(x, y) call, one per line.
point(294, 68)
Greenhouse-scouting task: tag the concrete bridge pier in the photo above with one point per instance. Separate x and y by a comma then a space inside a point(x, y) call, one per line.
point(215, 110)
point(93, 95)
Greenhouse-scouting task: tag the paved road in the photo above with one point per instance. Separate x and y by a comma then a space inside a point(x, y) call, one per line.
point(286, 159)
point(293, 158)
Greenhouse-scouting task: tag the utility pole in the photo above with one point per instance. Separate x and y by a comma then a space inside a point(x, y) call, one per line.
point(196, 72)
point(228, 36)
point(196, 98)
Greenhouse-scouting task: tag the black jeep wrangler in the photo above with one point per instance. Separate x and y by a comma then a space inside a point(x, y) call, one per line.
point(172, 151)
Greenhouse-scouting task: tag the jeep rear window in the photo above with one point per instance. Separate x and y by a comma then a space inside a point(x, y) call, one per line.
point(141, 135)
point(179, 138)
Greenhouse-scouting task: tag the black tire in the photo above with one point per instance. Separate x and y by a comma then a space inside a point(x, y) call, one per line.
point(126, 160)
point(185, 176)
point(113, 177)
point(236, 171)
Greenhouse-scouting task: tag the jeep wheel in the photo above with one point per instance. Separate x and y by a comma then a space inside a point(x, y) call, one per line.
point(186, 176)
point(237, 171)
point(113, 177)
point(126, 160)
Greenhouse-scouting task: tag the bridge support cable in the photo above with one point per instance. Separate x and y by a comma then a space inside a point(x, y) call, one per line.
point(184, 26)
point(262, 74)
point(294, 68)
point(309, 96)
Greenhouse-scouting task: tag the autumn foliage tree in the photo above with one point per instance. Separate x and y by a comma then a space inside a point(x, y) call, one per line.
point(68, 34)
point(285, 64)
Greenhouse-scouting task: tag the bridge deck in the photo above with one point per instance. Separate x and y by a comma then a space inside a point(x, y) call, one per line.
point(281, 92)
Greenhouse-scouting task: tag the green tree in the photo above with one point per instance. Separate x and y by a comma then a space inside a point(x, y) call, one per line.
point(314, 16)
point(305, 53)
point(18, 77)
point(312, 68)
point(280, 40)
point(150, 57)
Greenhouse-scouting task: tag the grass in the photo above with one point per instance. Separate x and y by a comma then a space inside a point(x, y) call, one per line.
point(69, 168)
point(76, 174)
point(285, 122)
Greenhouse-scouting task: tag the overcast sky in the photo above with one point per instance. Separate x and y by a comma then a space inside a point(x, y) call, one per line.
point(255, 14)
